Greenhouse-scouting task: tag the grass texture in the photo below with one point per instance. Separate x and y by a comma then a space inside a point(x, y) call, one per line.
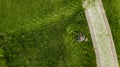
point(37, 33)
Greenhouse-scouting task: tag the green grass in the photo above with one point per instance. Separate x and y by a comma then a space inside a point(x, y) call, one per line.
point(113, 15)
point(78, 54)
point(29, 15)
point(35, 33)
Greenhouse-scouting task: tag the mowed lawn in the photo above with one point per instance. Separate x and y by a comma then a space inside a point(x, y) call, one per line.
point(37, 33)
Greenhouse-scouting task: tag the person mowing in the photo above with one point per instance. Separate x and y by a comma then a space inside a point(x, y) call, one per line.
point(81, 37)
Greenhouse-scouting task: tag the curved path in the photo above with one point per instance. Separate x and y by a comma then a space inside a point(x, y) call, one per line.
point(101, 34)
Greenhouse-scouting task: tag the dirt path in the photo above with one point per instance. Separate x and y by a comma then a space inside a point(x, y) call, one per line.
point(101, 34)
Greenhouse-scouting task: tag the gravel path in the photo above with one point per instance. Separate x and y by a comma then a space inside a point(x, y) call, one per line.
point(101, 34)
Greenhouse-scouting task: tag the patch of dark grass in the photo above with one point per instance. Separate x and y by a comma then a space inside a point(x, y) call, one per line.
point(50, 45)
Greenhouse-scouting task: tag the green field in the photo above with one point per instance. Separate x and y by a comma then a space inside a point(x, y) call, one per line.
point(37, 33)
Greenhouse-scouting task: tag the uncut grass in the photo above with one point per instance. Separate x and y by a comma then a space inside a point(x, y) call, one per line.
point(51, 45)
point(112, 8)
